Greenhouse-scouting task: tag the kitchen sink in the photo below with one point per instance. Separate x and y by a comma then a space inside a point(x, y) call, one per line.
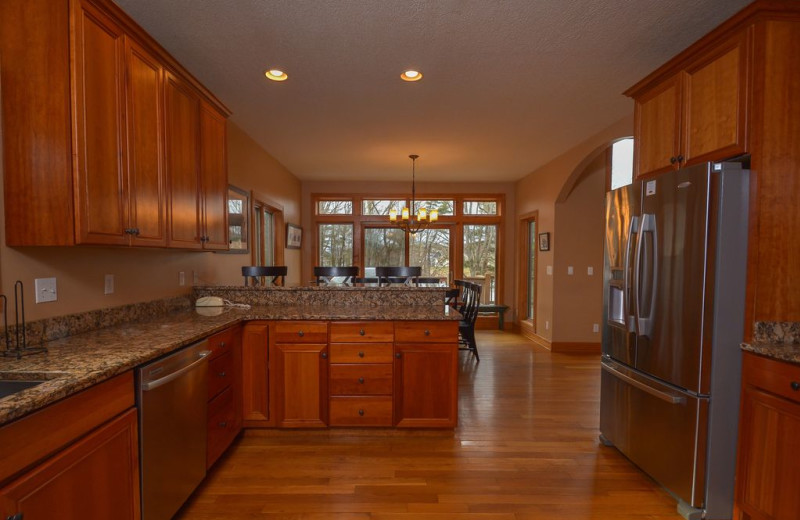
point(10, 387)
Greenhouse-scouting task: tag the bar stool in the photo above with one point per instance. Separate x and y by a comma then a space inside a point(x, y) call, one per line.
point(400, 274)
point(255, 273)
point(325, 275)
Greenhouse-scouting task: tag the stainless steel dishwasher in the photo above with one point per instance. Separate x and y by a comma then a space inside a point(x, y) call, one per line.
point(172, 394)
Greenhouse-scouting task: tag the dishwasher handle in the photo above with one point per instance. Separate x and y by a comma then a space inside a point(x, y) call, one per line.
point(150, 385)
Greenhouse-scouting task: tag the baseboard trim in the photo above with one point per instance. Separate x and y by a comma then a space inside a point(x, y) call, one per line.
point(569, 347)
point(540, 341)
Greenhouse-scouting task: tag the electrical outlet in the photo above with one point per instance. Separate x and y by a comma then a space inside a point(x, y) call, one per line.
point(570, 270)
point(546, 325)
point(595, 327)
point(46, 290)
point(195, 278)
point(550, 270)
point(590, 270)
point(109, 285)
point(181, 278)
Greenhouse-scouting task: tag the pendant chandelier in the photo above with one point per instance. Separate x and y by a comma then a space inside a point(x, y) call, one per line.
point(408, 222)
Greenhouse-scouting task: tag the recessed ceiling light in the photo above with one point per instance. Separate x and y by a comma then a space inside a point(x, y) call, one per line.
point(276, 75)
point(411, 75)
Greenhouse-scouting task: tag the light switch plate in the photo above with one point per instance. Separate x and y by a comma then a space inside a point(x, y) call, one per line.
point(181, 278)
point(46, 290)
point(570, 270)
point(550, 270)
point(590, 270)
point(109, 284)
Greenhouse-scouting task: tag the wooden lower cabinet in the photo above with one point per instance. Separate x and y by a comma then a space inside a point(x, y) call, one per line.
point(768, 467)
point(95, 478)
point(224, 392)
point(255, 375)
point(426, 375)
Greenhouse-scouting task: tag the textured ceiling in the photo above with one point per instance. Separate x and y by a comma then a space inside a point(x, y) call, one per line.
point(508, 84)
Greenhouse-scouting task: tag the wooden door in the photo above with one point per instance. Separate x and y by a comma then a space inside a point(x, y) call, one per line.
point(716, 103)
point(100, 176)
point(107, 459)
point(255, 375)
point(301, 384)
point(145, 147)
point(214, 178)
point(657, 117)
point(426, 385)
point(183, 179)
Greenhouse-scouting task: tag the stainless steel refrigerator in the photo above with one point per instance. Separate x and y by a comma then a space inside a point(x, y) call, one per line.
point(674, 289)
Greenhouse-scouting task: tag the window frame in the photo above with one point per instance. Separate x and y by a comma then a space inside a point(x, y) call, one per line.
point(258, 200)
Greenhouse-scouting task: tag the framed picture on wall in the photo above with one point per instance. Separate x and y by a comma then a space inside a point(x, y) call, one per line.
point(544, 241)
point(294, 236)
point(238, 217)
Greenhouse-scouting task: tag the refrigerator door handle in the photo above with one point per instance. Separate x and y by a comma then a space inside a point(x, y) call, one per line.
point(644, 324)
point(644, 387)
point(633, 229)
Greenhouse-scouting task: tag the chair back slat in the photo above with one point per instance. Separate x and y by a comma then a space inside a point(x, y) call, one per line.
point(326, 274)
point(399, 274)
point(255, 273)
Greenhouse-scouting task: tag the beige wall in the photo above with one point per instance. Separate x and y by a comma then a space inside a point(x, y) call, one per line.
point(539, 191)
point(146, 274)
point(579, 227)
point(404, 188)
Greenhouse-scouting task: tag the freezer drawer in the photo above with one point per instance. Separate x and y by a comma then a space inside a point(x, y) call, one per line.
point(660, 429)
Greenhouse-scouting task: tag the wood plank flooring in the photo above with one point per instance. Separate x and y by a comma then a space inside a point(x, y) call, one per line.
point(526, 448)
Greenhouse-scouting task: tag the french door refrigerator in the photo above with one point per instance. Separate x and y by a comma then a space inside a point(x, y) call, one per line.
point(674, 284)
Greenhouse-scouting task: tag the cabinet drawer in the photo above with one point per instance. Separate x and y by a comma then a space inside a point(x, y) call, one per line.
point(360, 352)
point(362, 331)
point(220, 373)
point(300, 332)
point(222, 425)
point(426, 331)
point(777, 377)
point(361, 379)
point(221, 342)
point(361, 411)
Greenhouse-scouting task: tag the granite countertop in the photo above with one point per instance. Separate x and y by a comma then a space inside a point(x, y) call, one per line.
point(778, 340)
point(80, 361)
point(789, 352)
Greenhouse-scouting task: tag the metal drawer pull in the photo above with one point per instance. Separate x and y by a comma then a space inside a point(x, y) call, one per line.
point(223, 424)
point(427, 332)
point(222, 374)
point(361, 412)
point(664, 396)
point(221, 344)
point(361, 332)
point(795, 386)
point(361, 380)
point(301, 333)
point(360, 354)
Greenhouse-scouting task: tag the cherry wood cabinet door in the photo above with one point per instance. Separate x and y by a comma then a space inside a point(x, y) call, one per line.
point(95, 478)
point(657, 117)
point(100, 178)
point(768, 472)
point(213, 178)
point(716, 103)
point(426, 385)
point(183, 180)
point(255, 375)
point(301, 384)
point(145, 147)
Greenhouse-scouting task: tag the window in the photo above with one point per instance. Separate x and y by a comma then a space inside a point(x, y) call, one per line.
point(480, 207)
point(532, 243)
point(480, 258)
point(445, 207)
point(381, 207)
point(384, 247)
point(621, 163)
point(335, 245)
point(264, 235)
point(430, 249)
point(237, 219)
point(335, 207)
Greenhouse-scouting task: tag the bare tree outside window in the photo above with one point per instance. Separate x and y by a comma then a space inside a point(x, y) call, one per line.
point(335, 207)
point(384, 247)
point(480, 207)
point(335, 245)
point(480, 256)
point(430, 249)
point(381, 207)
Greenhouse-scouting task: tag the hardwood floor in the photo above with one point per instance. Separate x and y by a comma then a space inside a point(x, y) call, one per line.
point(526, 448)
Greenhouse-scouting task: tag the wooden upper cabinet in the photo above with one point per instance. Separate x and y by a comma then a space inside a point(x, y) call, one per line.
point(147, 204)
point(697, 114)
point(657, 115)
point(100, 178)
point(213, 178)
point(182, 116)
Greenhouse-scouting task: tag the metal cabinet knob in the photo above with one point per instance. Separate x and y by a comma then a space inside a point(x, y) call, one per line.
point(680, 158)
point(427, 332)
point(360, 354)
point(221, 344)
point(222, 374)
point(397, 355)
point(795, 386)
point(361, 380)
point(324, 355)
point(361, 412)
point(673, 160)
point(361, 332)
point(18, 516)
point(301, 333)
point(223, 424)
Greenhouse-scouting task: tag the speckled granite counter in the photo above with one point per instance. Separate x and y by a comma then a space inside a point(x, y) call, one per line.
point(776, 340)
point(76, 362)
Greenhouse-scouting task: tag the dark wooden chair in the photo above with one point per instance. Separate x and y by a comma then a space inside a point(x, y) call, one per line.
point(256, 274)
point(401, 274)
point(429, 280)
point(470, 300)
point(325, 275)
point(367, 280)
